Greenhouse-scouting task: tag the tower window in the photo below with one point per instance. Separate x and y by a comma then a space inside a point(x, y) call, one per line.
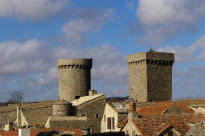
point(97, 115)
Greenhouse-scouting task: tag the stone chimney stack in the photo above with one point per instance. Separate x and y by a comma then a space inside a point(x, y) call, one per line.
point(132, 115)
point(92, 92)
point(8, 126)
point(24, 132)
point(18, 112)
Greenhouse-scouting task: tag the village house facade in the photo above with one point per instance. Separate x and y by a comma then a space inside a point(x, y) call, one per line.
point(114, 113)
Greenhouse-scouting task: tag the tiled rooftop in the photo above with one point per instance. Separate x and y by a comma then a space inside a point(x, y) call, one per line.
point(152, 125)
point(35, 131)
point(158, 116)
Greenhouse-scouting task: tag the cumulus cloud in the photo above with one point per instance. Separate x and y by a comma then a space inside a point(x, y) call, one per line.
point(106, 60)
point(34, 9)
point(195, 51)
point(109, 65)
point(85, 21)
point(189, 71)
point(22, 57)
point(109, 68)
point(34, 66)
point(162, 19)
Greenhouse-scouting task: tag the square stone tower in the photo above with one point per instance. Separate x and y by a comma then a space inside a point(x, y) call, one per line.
point(150, 76)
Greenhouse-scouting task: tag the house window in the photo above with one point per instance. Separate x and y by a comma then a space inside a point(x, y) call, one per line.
point(111, 123)
point(108, 123)
point(104, 118)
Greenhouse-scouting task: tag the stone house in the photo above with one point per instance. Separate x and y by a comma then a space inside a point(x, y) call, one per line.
point(87, 115)
point(114, 113)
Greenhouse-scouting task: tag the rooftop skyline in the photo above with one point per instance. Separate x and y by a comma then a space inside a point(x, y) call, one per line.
point(34, 34)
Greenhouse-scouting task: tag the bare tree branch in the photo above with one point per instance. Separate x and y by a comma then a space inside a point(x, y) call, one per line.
point(16, 96)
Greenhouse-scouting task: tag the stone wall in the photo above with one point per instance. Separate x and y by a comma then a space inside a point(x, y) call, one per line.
point(7, 116)
point(67, 122)
point(138, 80)
point(94, 111)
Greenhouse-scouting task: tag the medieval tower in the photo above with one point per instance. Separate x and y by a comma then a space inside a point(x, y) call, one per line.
point(150, 76)
point(74, 78)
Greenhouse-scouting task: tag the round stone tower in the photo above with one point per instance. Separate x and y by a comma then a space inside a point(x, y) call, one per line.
point(74, 78)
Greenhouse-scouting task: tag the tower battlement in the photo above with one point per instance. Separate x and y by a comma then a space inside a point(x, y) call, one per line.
point(76, 62)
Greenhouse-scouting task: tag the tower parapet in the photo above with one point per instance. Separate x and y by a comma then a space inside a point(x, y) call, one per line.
point(74, 78)
point(150, 76)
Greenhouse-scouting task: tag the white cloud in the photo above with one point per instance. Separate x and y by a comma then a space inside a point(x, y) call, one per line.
point(86, 20)
point(109, 68)
point(33, 64)
point(34, 9)
point(193, 52)
point(162, 19)
point(48, 78)
point(21, 57)
point(108, 63)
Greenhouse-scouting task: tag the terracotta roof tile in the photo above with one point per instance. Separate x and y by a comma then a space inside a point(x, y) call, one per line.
point(152, 125)
point(152, 110)
point(36, 131)
point(163, 127)
point(158, 108)
point(8, 133)
point(122, 123)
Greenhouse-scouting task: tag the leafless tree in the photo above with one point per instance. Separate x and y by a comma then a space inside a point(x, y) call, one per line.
point(16, 96)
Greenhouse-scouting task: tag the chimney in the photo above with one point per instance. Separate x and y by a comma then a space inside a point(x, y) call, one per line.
point(18, 116)
point(92, 92)
point(8, 126)
point(24, 132)
point(132, 115)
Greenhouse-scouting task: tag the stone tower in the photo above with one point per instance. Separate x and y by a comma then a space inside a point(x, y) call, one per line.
point(74, 78)
point(150, 76)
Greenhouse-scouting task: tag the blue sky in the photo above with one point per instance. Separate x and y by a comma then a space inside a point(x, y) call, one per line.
point(35, 33)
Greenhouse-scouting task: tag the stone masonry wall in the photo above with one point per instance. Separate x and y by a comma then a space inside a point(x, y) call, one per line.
point(159, 80)
point(7, 116)
point(138, 80)
point(94, 111)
